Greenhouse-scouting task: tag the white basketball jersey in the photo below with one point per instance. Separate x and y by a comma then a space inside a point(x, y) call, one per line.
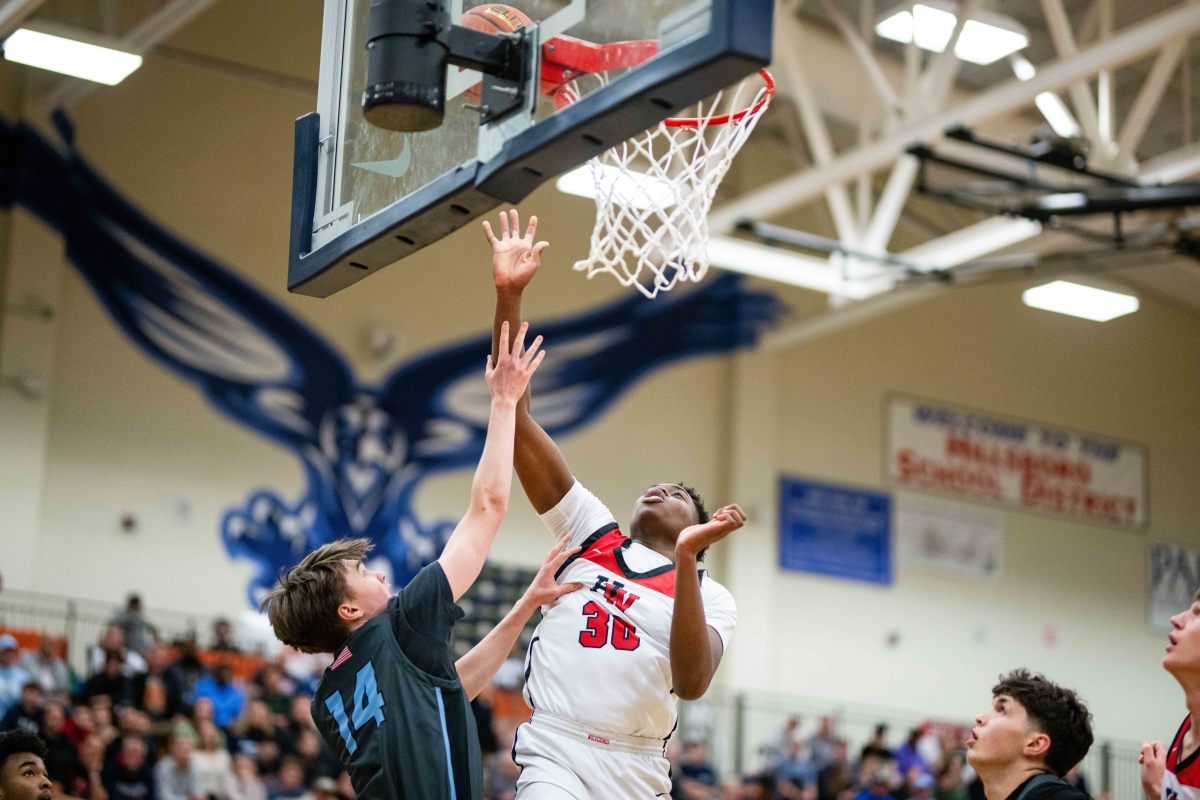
point(601, 655)
point(1181, 778)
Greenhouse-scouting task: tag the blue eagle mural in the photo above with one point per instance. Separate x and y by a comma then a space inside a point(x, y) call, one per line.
point(365, 449)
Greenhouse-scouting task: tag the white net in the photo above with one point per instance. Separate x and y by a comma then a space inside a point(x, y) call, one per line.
point(653, 192)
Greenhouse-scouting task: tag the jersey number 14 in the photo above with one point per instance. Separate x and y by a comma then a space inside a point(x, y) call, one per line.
point(368, 705)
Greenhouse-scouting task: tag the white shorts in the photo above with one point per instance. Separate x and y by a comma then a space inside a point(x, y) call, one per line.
point(563, 760)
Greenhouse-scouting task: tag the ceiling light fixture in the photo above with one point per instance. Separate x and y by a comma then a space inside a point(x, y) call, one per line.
point(1078, 300)
point(638, 191)
point(70, 56)
point(985, 38)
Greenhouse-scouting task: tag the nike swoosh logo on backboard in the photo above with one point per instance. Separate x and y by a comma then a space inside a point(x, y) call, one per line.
point(393, 168)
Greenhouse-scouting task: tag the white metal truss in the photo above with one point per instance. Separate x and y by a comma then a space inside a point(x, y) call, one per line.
point(156, 28)
point(922, 113)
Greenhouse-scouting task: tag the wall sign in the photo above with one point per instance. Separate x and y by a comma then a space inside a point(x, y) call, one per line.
point(835, 530)
point(1017, 463)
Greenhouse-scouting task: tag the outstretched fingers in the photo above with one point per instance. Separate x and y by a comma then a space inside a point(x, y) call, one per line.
point(487, 231)
point(503, 349)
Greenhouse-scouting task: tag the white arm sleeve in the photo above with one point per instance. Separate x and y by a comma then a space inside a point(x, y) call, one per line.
point(580, 514)
point(720, 612)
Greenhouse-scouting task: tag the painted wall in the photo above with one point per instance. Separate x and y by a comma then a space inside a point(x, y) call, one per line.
point(1135, 379)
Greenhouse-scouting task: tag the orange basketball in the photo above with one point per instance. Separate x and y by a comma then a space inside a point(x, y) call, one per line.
point(492, 18)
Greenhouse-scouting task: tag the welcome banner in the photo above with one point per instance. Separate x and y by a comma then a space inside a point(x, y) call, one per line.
point(1028, 465)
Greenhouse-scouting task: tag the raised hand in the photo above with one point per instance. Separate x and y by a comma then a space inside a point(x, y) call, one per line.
point(515, 258)
point(695, 538)
point(543, 590)
point(509, 376)
point(1153, 759)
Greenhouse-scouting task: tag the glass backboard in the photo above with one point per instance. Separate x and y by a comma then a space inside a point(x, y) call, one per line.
point(365, 197)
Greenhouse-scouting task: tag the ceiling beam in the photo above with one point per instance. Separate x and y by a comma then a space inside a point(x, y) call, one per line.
point(14, 12)
point(1125, 46)
point(156, 28)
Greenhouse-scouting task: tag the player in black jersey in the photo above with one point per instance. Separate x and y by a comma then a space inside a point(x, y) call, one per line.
point(393, 705)
point(1030, 738)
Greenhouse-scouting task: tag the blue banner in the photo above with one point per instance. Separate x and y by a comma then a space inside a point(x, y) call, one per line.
point(835, 530)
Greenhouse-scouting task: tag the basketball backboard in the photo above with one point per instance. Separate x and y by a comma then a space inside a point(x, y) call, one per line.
point(364, 197)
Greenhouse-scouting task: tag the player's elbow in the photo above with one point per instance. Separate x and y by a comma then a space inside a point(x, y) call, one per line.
point(490, 504)
point(691, 687)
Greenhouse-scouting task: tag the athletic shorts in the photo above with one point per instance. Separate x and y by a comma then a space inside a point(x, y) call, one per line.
point(563, 760)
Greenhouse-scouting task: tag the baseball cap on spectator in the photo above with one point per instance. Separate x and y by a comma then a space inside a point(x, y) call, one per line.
point(8, 641)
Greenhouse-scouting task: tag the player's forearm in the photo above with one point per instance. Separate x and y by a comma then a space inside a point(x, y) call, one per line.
point(467, 549)
point(508, 309)
point(692, 664)
point(477, 668)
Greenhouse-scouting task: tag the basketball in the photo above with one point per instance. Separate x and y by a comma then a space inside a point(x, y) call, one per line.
point(492, 18)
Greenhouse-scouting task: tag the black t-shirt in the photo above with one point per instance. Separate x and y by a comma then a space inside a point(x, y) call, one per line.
point(391, 704)
point(1048, 788)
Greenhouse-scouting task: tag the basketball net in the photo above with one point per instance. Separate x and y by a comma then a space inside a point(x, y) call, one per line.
point(653, 192)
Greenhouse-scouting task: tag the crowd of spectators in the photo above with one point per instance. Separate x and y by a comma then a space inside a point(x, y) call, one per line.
point(819, 765)
point(151, 720)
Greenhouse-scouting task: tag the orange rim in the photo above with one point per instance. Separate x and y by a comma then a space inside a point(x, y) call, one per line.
point(725, 119)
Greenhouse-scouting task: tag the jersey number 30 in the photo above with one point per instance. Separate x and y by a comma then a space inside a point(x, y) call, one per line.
point(595, 634)
point(368, 705)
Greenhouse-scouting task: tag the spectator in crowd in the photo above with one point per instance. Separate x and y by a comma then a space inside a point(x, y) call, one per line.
point(223, 641)
point(908, 757)
point(950, 782)
point(26, 715)
point(877, 784)
point(131, 723)
point(877, 748)
point(23, 773)
point(214, 764)
point(62, 759)
point(795, 772)
point(1029, 738)
point(835, 781)
point(111, 681)
point(91, 755)
point(501, 780)
point(129, 775)
point(175, 775)
point(227, 697)
point(289, 783)
point(50, 671)
point(244, 783)
point(255, 736)
point(325, 789)
point(697, 777)
point(189, 666)
point(101, 707)
point(317, 759)
point(921, 787)
point(79, 724)
point(112, 643)
point(159, 690)
point(824, 744)
point(277, 691)
point(12, 675)
point(138, 633)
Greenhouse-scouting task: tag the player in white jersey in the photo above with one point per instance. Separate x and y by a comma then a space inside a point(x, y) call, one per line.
point(607, 663)
point(1173, 773)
